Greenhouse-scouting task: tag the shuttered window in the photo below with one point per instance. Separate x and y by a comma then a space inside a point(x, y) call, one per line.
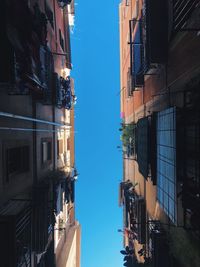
point(17, 161)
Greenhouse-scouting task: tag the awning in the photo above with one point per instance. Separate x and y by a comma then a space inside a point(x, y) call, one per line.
point(142, 146)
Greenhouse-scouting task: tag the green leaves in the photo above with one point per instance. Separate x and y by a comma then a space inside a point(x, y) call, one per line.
point(128, 134)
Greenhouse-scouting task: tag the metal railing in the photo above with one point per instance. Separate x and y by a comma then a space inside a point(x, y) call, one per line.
point(182, 11)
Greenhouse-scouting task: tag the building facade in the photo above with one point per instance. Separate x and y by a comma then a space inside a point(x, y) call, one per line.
point(160, 123)
point(37, 171)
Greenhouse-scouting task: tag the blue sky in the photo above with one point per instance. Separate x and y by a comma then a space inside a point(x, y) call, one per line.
point(95, 57)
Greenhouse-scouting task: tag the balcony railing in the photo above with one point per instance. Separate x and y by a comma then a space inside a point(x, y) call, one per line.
point(57, 90)
point(136, 54)
point(146, 152)
point(156, 32)
point(182, 11)
point(160, 249)
point(69, 190)
point(22, 56)
point(135, 211)
point(128, 139)
point(142, 146)
point(15, 232)
point(138, 57)
point(148, 40)
point(42, 214)
point(46, 75)
point(63, 3)
point(67, 97)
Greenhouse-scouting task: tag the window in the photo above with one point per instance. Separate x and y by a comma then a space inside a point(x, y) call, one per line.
point(46, 151)
point(61, 40)
point(49, 14)
point(129, 83)
point(17, 161)
point(7, 63)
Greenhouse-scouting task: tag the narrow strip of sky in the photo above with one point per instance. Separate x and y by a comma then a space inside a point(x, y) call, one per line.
point(95, 55)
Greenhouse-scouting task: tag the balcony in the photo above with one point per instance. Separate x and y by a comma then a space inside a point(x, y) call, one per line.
point(188, 164)
point(67, 97)
point(160, 248)
point(57, 90)
point(140, 224)
point(148, 41)
point(63, 3)
point(136, 78)
point(138, 57)
point(142, 146)
point(63, 97)
point(128, 139)
point(46, 68)
point(182, 12)
point(146, 153)
point(69, 190)
point(15, 232)
point(13, 65)
point(134, 212)
point(42, 212)
point(21, 53)
point(156, 32)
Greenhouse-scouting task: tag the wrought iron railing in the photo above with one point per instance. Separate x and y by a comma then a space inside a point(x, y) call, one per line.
point(136, 54)
point(23, 238)
point(63, 3)
point(182, 11)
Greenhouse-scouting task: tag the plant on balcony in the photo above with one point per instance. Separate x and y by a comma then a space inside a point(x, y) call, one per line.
point(128, 137)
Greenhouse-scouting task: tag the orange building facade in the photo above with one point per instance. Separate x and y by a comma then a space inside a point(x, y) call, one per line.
point(159, 71)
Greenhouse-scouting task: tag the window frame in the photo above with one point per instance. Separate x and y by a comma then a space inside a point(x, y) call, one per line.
point(49, 151)
point(8, 177)
point(50, 15)
point(61, 40)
